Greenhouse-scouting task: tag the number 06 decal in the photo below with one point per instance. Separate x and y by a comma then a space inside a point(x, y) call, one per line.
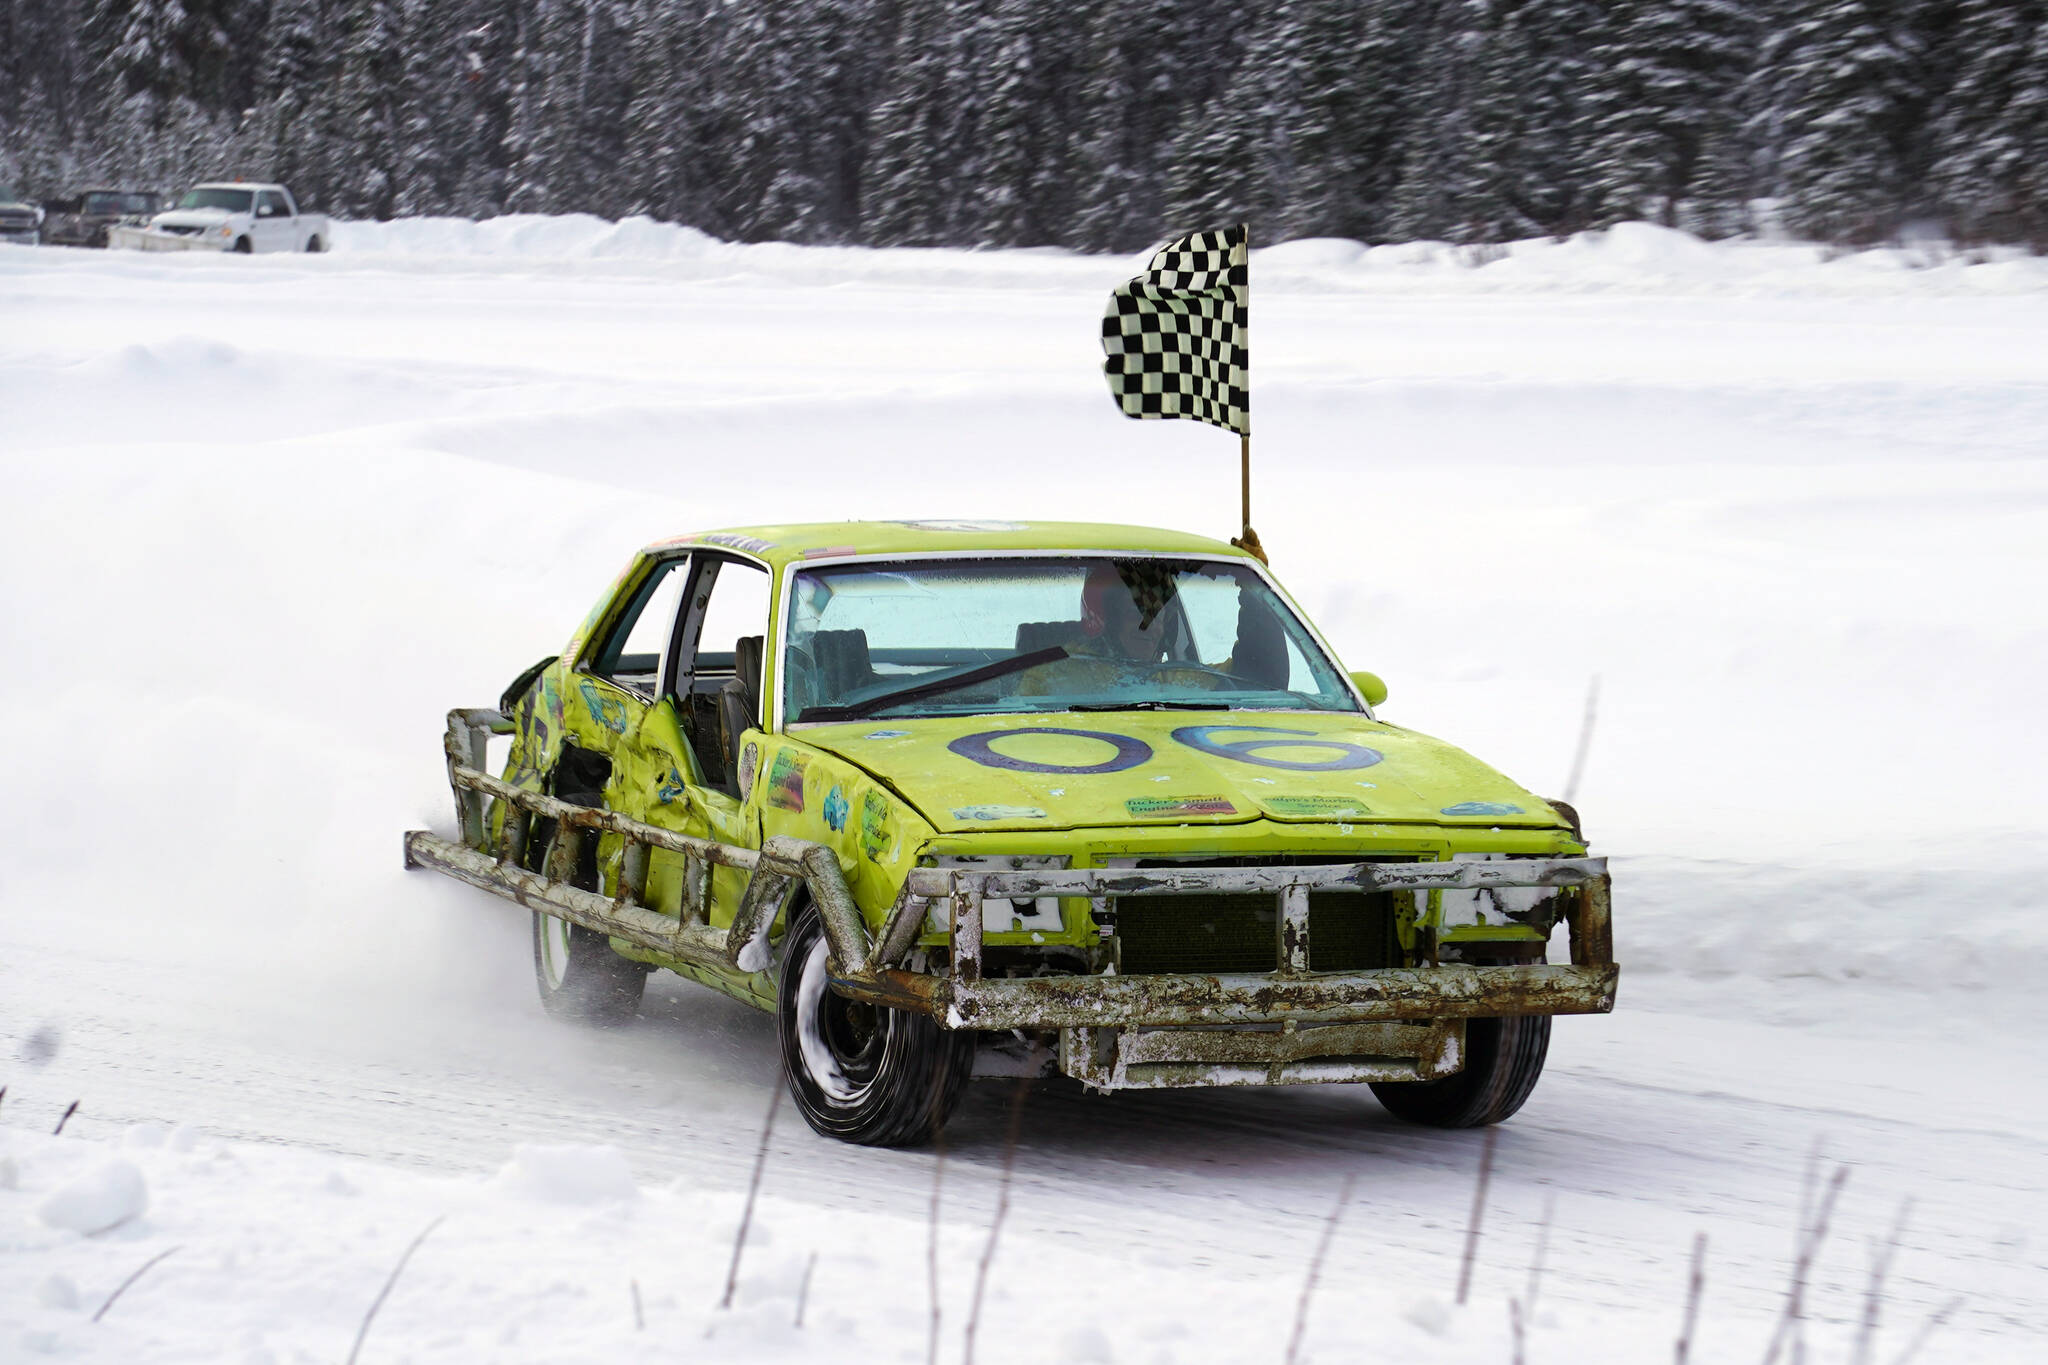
point(1201, 738)
point(1129, 752)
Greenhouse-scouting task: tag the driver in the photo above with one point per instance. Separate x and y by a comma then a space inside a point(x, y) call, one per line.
point(1122, 639)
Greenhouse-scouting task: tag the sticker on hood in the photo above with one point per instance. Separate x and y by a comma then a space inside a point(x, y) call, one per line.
point(1153, 807)
point(998, 813)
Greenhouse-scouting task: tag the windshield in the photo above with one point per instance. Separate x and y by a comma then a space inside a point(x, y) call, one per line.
point(234, 201)
point(110, 203)
point(949, 637)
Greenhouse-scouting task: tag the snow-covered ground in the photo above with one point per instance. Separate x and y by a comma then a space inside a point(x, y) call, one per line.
point(265, 519)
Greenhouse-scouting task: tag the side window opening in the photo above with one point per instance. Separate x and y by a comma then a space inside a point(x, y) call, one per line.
point(631, 656)
point(725, 632)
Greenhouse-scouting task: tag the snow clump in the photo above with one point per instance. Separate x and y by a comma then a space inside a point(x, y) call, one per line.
point(57, 1292)
point(569, 1174)
point(105, 1197)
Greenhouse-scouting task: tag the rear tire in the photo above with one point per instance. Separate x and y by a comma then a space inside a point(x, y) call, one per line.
point(579, 977)
point(314, 246)
point(862, 1073)
point(1503, 1060)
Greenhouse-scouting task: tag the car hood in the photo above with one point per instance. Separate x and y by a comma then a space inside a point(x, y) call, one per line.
point(1073, 770)
point(199, 218)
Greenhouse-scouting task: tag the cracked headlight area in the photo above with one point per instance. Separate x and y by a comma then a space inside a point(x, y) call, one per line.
point(999, 916)
point(1526, 905)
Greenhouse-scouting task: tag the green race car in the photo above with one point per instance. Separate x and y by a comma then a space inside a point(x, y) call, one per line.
point(972, 798)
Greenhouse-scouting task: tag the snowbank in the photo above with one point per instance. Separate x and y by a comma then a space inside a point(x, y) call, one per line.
point(1629, 258)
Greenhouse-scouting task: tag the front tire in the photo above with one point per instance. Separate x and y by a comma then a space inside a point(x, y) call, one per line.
point(862, 1073)
point(1503, 1060)
point(579, 977)
point(243, 246)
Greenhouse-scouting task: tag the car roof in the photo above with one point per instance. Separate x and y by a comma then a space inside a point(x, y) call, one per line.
point(835, 539)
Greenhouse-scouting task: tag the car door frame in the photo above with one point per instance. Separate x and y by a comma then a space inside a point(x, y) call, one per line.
point(725, 818)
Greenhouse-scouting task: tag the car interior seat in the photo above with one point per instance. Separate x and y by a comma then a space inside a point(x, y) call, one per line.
point(739, 707)
point(840, 664)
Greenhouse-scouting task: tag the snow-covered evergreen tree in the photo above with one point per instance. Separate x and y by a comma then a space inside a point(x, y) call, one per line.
point(1665, 116)
point(792, 90)
point(1847, 95)
point(370, 108)
point(291, 130)
point(674, 133)
point(1017, 192)
point(1981, 149)
point(168, 49)
point(1085, 122)
point(922, 128)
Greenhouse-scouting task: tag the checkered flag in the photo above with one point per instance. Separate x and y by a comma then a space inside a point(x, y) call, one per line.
point(1176, 335)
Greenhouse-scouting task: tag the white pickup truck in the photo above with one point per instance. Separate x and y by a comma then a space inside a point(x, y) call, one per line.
point(229, 216)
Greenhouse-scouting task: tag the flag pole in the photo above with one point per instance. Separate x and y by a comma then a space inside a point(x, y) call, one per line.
point(1244, 453)
point(1249, 541)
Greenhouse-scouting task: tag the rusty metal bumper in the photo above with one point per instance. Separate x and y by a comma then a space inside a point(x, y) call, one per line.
point(1291, 1026)
point(963, 999)
point(1452, 991)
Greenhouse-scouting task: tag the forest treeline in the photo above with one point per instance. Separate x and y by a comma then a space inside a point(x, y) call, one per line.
point(1095, 124)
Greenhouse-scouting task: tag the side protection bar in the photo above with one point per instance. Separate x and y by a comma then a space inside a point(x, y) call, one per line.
point(503, 868)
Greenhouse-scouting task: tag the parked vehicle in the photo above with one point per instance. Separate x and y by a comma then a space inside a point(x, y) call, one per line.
point(83, 219)
point(964, 798)
point(20, 221)
point(229, 216)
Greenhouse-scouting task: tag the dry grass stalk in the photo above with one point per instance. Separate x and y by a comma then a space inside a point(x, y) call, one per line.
point(1927, 1329)
point(1315, 1268)
point(1516, 1335)
point(1813, 1233)
point(1881, 1255)
point(739, 1238)
point(1542, 1246)
point(995, 1226)
point(59, 1129)
point(639, 1315)
point(931, 1255)
point(140, 1271)
point(1478, 1210)
point(1695, 1288)
point(803, 1290)
point(1571, 784)
point(384, 1293)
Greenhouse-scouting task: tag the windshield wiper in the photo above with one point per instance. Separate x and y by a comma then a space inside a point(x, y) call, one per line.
point(1016, 663)
point(1151, 706)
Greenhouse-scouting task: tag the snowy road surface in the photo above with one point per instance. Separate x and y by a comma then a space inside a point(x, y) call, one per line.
point(267, 519)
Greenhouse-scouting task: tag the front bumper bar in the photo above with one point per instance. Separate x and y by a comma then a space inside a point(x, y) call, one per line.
point(1453, 991)
point(963, 999)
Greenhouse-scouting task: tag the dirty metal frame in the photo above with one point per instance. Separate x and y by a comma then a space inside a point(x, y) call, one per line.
point(1291, 1025)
